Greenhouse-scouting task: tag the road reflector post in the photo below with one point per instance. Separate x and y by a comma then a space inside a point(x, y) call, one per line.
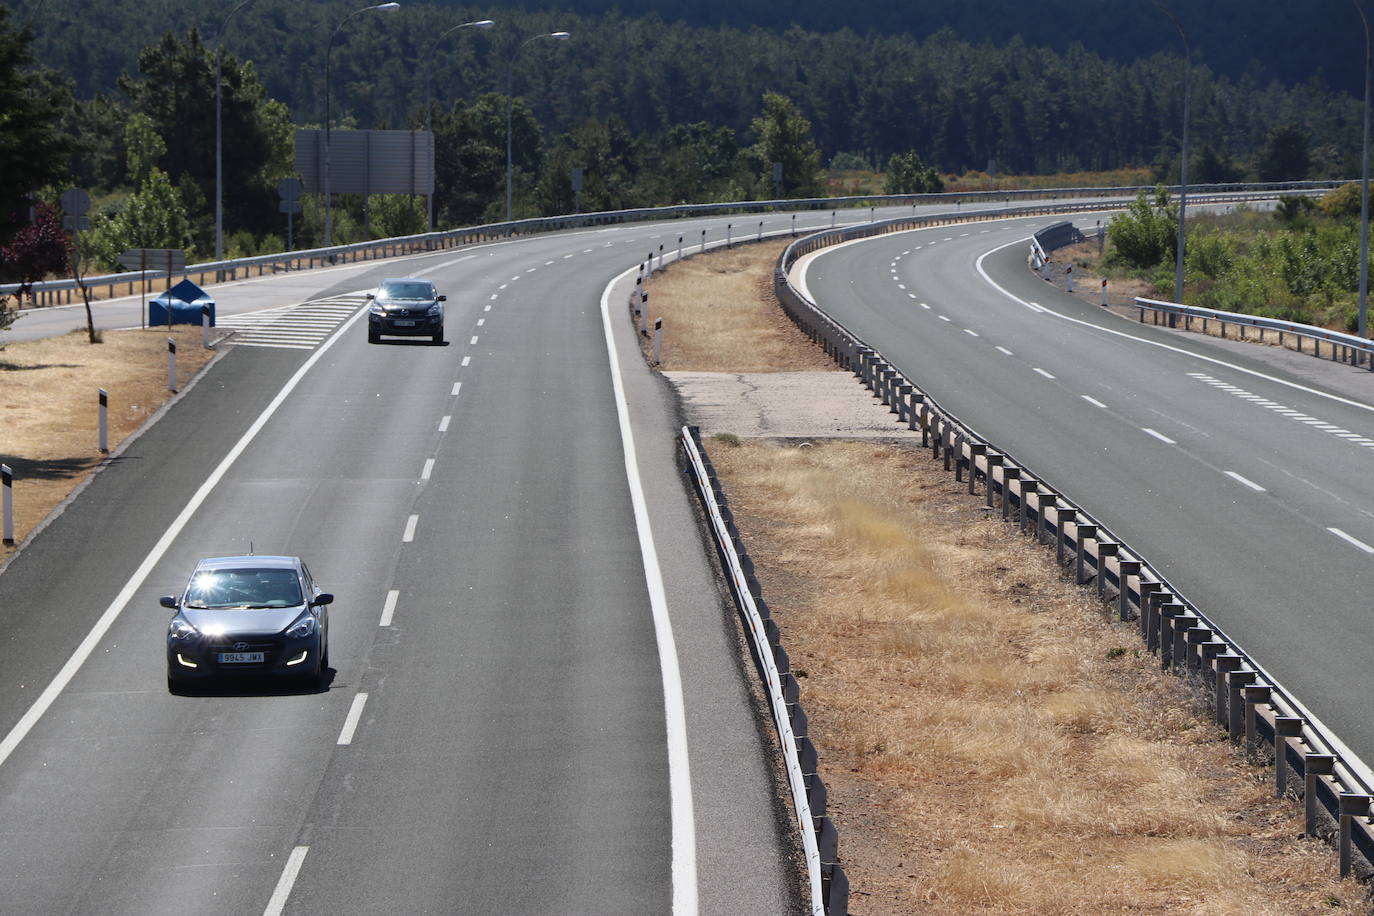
point(1104, 293)
point(660, 257)
point(760, 238)
point(1314, 767)
point(658, 339)
point(171, 365)
point(703, 240)
point(644, 313)
point(7, 484)
point(794, 225)
point(1068, 278)
point(104, 421)
point(679, 248)
point(832, 219)
point(1351, 806)
point(205, 326)
point(729, 235)
point(1285, 728)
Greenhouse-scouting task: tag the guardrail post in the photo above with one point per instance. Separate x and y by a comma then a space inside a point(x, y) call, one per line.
point(1351, 806)
point(1195, 637)
point(1083, 533)
point(1149, 617)
point(947, 441)
point(1225, 664)
point(957, 447)
point(994, 461)
point(1008, 475)
point(913, 420)
point(976, 450)
point(1255, 694)
point(904, 414)
point(1169, 613)
point(1236, 682)
point(1023, 513)
point(1285, 728)
point(1105, 549)
point(1125, 568)
point(1314, 766)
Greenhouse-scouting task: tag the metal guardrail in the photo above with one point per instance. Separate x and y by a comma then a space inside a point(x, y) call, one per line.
point(829, 886)
point(63, 292)
point(1250, 705)
point(1346, 348)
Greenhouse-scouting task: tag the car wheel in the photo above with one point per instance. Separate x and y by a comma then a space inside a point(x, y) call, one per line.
point(373, 335)
point(173, 684)
point(438, 336)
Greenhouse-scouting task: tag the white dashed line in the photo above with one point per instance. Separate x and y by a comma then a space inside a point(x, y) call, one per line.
point(1094, 401)
point(1249, 483)
point(481, 321)
point(486, 308)
point(282, 891)
point(443, 424)
point(428, 469)
point(970, 333)
point(1160, 436)
point(409, 535)
point(901, 286)
point(473, 342)
point(547, 263)
point(1350, 540)
point(355, 712)
point(493, 296)
point(1004, 350)
point(944, 318)
point(457, 387)
point(1042, 372)
point(467, 360)
point(504, 285)
point(389, 608)
point(924, 306)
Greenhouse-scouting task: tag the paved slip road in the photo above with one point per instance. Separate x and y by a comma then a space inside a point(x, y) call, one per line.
point(1241, 473)
point(493, 737)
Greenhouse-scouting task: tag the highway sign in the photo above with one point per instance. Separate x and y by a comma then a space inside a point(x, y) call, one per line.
point(159, 259)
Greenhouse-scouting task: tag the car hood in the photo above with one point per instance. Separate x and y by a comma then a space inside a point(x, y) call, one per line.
point(229, 621)
point(411, 304)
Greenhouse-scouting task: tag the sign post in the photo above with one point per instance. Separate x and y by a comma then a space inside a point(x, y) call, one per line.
point(139, 259)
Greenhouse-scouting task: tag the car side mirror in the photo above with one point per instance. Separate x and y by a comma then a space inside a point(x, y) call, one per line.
point(322, 599)
point(371, 296)
point(168, 601)
point(441, 298)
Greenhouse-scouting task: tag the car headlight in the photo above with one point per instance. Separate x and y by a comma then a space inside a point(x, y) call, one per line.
point(435, 309)
point(180, 628)
point(376, 309)
point(303, 627)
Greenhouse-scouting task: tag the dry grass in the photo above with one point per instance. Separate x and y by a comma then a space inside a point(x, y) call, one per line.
point(719, 315)
point(986, 750)
point(49, 415)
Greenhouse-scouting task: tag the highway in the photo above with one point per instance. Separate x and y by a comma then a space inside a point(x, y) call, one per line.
point(1239, 472)
point(498, 733)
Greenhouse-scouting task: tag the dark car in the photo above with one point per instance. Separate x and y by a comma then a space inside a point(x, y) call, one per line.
point(261, 616)
point(407, 308)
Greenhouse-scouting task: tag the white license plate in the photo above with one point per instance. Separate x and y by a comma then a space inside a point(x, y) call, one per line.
point(404, 323)
point(240, 658)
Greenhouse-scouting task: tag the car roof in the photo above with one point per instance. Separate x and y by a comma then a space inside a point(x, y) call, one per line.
point(257, 562)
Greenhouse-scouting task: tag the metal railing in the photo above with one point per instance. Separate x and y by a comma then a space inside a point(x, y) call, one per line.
point(1249, 703)
point(1342, 347)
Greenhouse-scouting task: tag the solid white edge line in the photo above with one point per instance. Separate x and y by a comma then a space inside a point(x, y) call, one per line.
point(1158, 435)
point(684, 842)
point(409, 534)
point(1245, 480)
point(1351, 540)
point(135, 582)
point(355, 714)
point(282, 892)
point(389, 608)
point(428, 469)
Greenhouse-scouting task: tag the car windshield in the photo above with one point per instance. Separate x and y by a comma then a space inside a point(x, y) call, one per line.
point(407, 289)
point(244, 588)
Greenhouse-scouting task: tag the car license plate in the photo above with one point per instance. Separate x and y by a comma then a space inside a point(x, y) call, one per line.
point(240, 658)
point(404, 323)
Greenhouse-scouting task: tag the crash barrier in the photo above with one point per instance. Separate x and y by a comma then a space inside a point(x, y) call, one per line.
point(829, 886)
point(1310, 762)
point(66, 291)
point(1346, 348)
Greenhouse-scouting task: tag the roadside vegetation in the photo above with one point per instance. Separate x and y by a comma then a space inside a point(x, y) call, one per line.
point(992, 741)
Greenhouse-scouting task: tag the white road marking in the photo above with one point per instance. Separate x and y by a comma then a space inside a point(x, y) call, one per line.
point(493, 296)
point(409, 534)
point(684, 844)
point(473, 341)
point(944, 318)
point(116, 607)
point(547, 263)
point(443, 424)
point(1160, 436)
point(1004, 350)
point(1042, 372)
point(481, 321)
point(1249, 483)
point(924, 305)
point(504, 285)
point(428, 469)
point(486, 308)
point(355, 712)
point(1094, 401)
point(466, 360)
point(389, 608)
point(282, 891)
point(901, 286)
point(1351, 540)
point(971, 333)
point(457, 387)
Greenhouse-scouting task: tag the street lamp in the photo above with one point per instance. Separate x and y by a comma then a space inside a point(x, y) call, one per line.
point(328, 201)
point(429, 101)
point(1364, 188)
point(510, 101)
point(1183, 167)
point(219, 135)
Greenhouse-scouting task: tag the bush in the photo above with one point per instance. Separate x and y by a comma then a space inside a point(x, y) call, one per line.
point(1343, 201)
point(1144, 235)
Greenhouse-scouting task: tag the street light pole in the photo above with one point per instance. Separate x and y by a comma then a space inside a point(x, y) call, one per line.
point(1183, 167)
point(328, 198)
point(510, 101)
point(428, 64)
point(219, 135)
point(1364, 188)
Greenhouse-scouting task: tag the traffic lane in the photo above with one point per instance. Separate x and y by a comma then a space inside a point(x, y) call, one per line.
point(1223, 535)
point(516, 714)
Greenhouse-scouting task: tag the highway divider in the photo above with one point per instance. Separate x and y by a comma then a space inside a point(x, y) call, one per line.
point(1310, 762)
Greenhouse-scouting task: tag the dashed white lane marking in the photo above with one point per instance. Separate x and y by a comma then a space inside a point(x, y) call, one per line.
point(493, 296)
point(486, 308)
point(428, 469)
point(1094, 401)
point(1042, 372)
point(971, 333)
point(944, 318)
point(481, 321)
point(514, 278)
point(1351, 540)
point(282, 892)
point(443, 424)
point(1246, 481)
point(1160, 436)
point(586, 251)
point(924, 305)
point(911, 295)
point(355, 713)
point(566, 256)
point(389, 608)
point(504, 285)
point(457, 387)
point(1005, 351)
point(409, 535)
point(547, 263)
point(473, 342)
point(530, 270)
point(901, 286)
point(466, 360)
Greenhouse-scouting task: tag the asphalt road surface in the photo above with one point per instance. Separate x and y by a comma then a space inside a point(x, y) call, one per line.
point(1242, 473)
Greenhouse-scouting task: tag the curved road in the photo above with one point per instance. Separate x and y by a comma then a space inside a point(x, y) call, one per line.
point(1239, 472)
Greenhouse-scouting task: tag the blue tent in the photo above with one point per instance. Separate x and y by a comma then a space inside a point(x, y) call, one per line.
point(184, 301)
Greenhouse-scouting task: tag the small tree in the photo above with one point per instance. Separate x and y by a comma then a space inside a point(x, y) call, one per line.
point(38, 250)
point(907, 174)
point(785, 136)
point(1143, 235)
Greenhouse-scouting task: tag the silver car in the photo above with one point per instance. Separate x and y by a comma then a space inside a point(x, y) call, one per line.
point(261, 616)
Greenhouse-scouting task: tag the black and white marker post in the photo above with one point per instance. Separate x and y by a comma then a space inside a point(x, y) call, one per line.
point(729, 232)
point(7, 480)
point(658, 339)
point(104, 421)
point(679, 248)
point(205, 326)
point(703, 241)
point(171, 365)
